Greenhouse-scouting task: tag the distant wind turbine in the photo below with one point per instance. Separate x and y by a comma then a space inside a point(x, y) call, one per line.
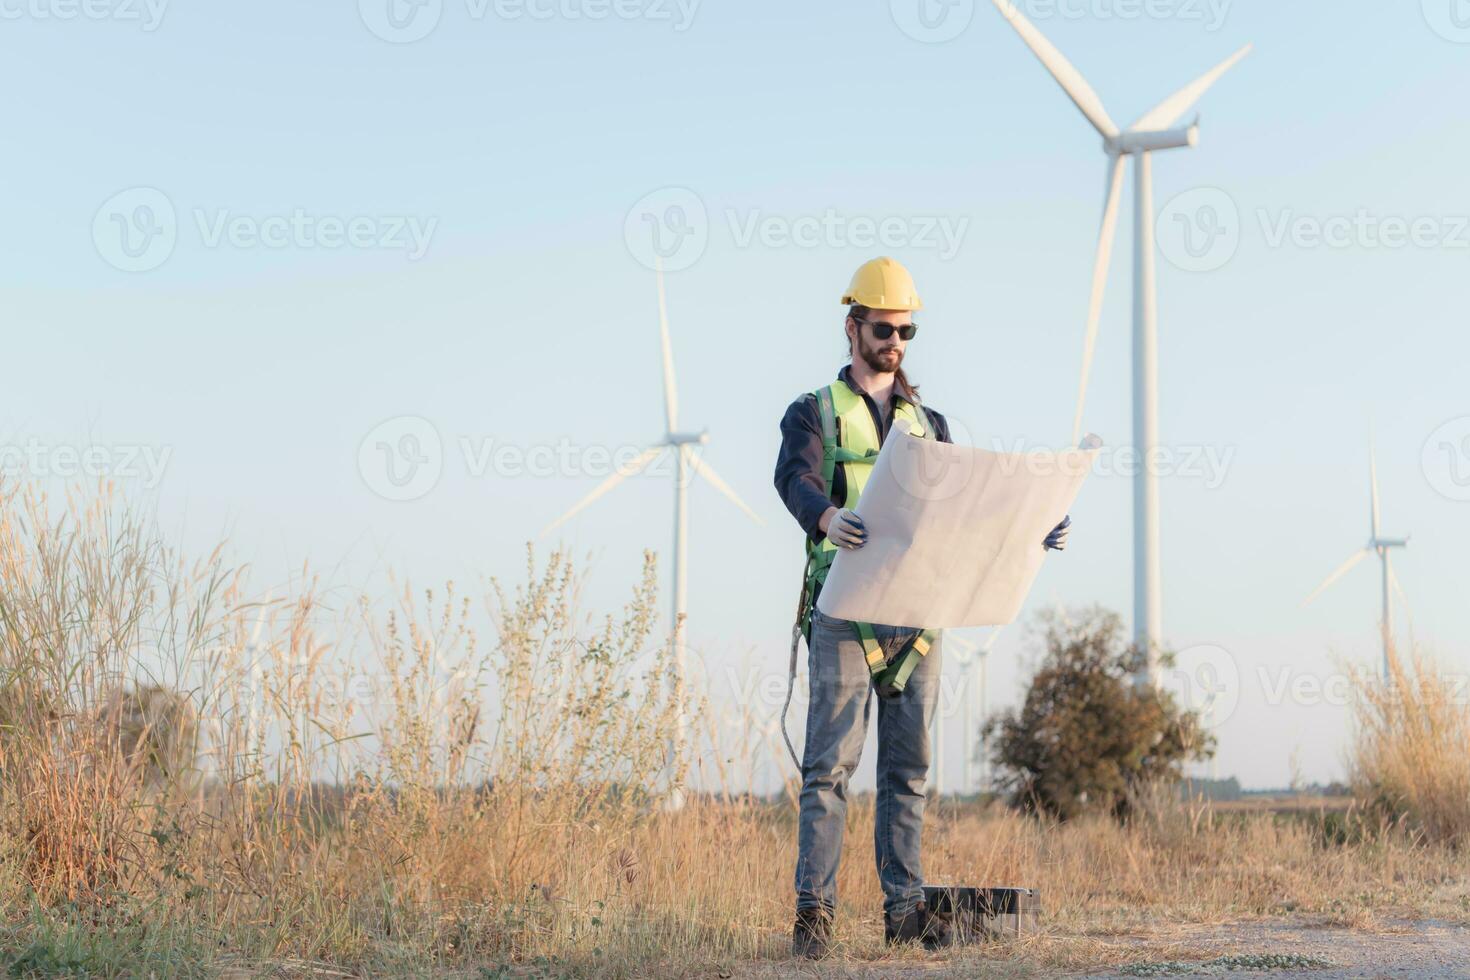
point(683, 444)
point(1155, 130)
point(1381, 545)
point(255, 683)
point(972, 658)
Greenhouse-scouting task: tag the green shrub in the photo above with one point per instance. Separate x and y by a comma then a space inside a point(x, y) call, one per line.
point(1087, 736)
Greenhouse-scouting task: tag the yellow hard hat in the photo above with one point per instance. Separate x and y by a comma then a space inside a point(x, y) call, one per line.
point(883, 284)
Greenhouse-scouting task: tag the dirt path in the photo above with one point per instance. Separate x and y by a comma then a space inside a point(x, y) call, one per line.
point(1279, 950)
point(1410, 950)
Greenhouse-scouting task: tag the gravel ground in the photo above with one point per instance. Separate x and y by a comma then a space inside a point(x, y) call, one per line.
point(1409, 950)
point(1275, 950)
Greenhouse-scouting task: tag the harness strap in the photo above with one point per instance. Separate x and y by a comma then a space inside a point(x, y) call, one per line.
point(828, 413)
point(890, 677)
point(872, 652)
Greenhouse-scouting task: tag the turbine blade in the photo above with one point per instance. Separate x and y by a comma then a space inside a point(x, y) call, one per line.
point(705, 470)
point(671, 391)
point(1067, 76)
point(1340, 571)
point(1100, 265)
point(1373, 486)
point(960, 648)
point(990, 640)
point(632, 469)
point(1168, 112)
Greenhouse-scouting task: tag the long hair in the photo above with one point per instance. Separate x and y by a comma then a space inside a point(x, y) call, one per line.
point(859, 312)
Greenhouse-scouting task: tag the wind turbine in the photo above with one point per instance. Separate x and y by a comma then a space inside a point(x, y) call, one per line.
point(1381, 545)
point(969, 656)
point(683, 444)
point(1155, 130)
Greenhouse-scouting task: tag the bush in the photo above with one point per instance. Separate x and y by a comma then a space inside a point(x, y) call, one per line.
point(1087, 737)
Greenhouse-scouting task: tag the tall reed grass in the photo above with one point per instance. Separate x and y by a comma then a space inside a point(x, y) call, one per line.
point(1411, 755)
point(310, 778)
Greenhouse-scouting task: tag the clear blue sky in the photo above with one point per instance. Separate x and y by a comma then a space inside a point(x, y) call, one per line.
point(518, 145)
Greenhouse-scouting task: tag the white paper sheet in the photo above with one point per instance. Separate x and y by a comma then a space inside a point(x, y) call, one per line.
point(954, 533)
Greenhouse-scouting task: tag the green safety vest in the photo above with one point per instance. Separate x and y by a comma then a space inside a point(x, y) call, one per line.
point(850, 440)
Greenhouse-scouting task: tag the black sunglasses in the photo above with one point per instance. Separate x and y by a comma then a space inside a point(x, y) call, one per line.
point(885, 330)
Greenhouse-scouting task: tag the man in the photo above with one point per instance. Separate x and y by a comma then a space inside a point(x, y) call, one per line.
point(829, 439)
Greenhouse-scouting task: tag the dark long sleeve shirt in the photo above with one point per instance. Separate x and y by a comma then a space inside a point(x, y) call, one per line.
point(799, 465)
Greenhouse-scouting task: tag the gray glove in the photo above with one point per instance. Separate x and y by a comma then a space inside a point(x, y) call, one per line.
point(846, 530)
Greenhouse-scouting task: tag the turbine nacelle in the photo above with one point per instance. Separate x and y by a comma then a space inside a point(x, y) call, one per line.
point(1150, 141)
point(688, 438)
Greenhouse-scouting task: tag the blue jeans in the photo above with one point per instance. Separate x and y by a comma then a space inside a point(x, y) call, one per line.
point(836, 725)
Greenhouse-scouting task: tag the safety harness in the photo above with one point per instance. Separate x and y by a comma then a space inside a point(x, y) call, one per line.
point(850, 439)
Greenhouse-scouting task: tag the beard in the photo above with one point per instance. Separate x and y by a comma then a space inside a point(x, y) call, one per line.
point(884, 360)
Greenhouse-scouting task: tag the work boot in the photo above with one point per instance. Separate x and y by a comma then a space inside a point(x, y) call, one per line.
point(918, 923)
point(812, 936)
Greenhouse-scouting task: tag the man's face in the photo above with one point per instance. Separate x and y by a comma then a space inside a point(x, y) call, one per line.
point(884, 356)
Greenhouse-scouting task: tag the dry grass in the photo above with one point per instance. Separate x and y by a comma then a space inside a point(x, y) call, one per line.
point(1411, 758)
point(1102, 883)
point(199, 779)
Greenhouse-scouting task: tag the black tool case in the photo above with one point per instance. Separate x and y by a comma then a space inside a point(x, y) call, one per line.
point(982, 915)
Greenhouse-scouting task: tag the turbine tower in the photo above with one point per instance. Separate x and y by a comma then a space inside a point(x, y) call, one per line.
point(1376, 544)
point(687, 458)
point(1155, 130)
